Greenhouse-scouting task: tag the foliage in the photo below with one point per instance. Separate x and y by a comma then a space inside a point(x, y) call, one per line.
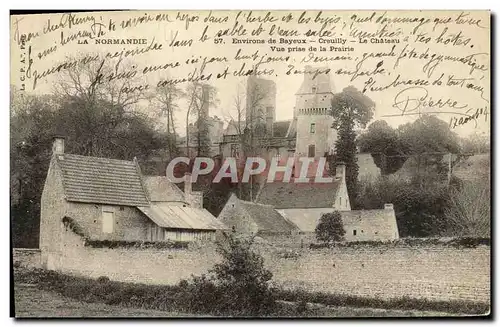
point(401, 303)
point(179, 297)
point(384, 144)
point(422, 144)
point(419, 204)
point(476, 143)
point(427, 139)
point(239, 285)
point(97, 128)
point(166, 99)
point(469, 210)
point(428, 134)
point(330, 228)
point(112, 244)
point(136, 244)
point(456, 242)
point(200, 97)
point(73, 226)
point(351, 105)
point(94, 112)
point(350, 108)
point(30, 150)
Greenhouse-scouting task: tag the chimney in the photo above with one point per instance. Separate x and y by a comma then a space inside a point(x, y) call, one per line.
point(388, 206)
point(58, 145)
point(340, 170)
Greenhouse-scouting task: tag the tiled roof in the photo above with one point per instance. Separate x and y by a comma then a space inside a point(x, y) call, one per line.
point(266, 218)
point(169, 216)
point(101, 180)
point(298, 195)
point(160, 189)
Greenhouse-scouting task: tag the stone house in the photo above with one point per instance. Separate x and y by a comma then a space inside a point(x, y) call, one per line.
point(249, 218)
point(359, 225)
point(110, 199)
point(303, 204)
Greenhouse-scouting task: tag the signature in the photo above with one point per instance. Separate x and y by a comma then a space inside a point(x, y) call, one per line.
point(412, 100)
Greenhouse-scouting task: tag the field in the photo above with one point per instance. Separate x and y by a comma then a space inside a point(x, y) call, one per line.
point(31, 302)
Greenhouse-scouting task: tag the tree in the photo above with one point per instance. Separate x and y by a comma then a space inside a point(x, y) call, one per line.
point(166, 98)
point(94, 112)
point(238, 286)
point(330, 228)
point(250, 127)
point(476, 143)
point(427, 140)
point(469, 211)
point(31, 132)
point(350, 108)
point(384, 145)
point(419, 207)
point(200, 97)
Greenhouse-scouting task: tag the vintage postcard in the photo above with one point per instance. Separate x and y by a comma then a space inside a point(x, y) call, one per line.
point(251, 163)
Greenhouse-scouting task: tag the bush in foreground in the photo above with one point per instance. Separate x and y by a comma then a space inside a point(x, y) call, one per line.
point(238, 286)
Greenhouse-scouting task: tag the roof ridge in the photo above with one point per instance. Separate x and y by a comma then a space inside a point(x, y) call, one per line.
point(93, 157)
point(256, 203)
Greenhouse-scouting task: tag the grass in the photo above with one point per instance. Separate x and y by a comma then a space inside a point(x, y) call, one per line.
point(164, 298)
point(31, 302)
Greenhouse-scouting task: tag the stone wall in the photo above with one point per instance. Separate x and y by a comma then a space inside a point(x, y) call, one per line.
point(433, 272)
point(27, 257)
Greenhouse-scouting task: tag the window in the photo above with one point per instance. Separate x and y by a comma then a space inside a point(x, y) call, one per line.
point(312, 129)
point(269, 111)
point(354, 232)
point(108, 220)
point(312, 151)
point(314, 89)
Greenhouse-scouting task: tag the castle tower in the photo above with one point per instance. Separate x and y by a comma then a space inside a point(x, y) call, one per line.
point(260, 103)
point(315, 135)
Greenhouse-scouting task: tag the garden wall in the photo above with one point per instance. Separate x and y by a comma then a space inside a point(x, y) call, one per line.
point(426, 271)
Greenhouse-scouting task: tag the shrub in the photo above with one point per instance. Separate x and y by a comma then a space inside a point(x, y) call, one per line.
point(458, 242)
point(238, 286)
point(202, 295)
point(330, 228)
point(136, 244)
point(103, 279)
